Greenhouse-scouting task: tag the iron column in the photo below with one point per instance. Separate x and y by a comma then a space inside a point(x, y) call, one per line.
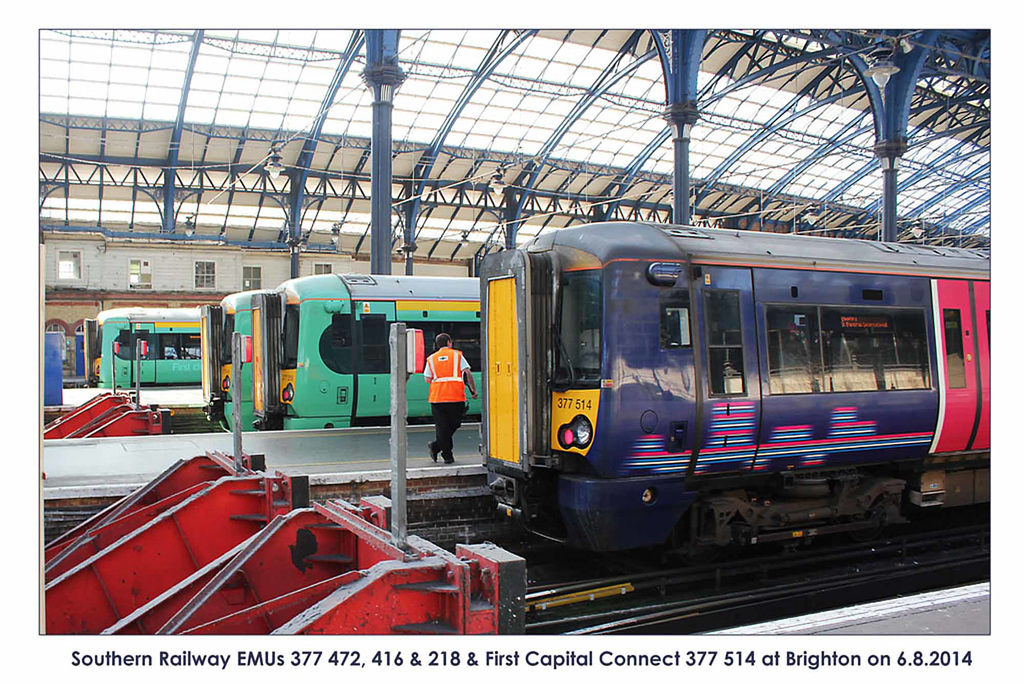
point(681, 116)
point(382, 76)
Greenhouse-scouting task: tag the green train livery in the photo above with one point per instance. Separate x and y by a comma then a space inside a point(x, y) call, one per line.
point(173, 351)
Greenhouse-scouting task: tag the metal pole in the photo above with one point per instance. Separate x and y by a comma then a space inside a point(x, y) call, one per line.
point(236, 399)
point(138, 373)
point(399, 438)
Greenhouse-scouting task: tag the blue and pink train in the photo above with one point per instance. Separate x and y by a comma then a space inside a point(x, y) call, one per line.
point(663, 384)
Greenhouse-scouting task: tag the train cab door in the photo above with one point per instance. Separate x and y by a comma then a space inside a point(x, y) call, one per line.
point(960, 398)
point(147, 365)
point(373, 321)
point(729, 410)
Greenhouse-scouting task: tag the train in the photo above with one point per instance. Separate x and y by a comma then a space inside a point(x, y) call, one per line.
point(320, 356)
point(694, 389)
point(173, 347)
point(217, 324)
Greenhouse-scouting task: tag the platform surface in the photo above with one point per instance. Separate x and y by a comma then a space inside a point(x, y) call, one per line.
point(961, 610)
point(162, 396)
point(107, 464)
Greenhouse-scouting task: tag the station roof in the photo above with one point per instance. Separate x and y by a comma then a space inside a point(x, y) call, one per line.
point(784, 143)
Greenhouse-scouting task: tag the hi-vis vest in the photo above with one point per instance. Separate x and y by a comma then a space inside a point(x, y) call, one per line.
point(446, 385)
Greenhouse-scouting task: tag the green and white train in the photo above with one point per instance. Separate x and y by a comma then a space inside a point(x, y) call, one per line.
point(320, 354)
point(173, 347)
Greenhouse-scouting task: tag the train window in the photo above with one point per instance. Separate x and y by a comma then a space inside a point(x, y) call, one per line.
point(167, 345)
point(336, 344)
point(725, 342)
point(373, 351)
point(955, 372)
point(191, 346)
point(675, 319)
point(291, 336)
point(580, 327)
point(466, 338)
point(794, 358)
point(225, 340)
point(874, 350)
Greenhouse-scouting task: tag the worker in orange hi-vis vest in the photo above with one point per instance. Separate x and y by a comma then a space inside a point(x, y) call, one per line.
point(448, 373)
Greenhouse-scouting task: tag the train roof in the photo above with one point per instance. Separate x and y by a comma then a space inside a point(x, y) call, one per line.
point(231, 302)
point(360, 286)
point(144, 314)
point(624, 240)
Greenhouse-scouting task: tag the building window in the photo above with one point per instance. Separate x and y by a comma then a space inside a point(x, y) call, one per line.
point(252, 277)
point(206, 275)
point(69, 265)
point(140, 274)
point(321, 269)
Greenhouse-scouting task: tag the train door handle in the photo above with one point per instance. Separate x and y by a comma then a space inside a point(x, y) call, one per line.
point(497, 367)
point(508, 365)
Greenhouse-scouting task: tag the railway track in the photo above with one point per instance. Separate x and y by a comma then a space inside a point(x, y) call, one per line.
point(678, 600)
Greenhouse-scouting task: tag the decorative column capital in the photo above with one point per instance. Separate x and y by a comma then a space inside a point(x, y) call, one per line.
point(682, 116)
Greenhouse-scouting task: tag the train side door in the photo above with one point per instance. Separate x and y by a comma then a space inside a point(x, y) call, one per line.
point(959, 371)
point(731, 407)
point(373, 359)
point(983, 326)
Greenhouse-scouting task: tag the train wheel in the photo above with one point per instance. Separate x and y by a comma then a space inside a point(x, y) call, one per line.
point(877, 516)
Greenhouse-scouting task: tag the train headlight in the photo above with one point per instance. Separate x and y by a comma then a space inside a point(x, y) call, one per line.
point(584, 431)
point(225, 384)
point(649, 495)
point(288, 393)
point(577, 433)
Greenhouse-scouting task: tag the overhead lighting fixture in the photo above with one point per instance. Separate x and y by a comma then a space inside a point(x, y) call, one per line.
point(465, 236)
point(190, 226)
point(881, 66)
point(335, 232)
point(274, 166)
point(917, 231)
point(497, 179)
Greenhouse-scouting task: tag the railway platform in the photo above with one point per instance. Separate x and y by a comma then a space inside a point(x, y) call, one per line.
point(958, 611)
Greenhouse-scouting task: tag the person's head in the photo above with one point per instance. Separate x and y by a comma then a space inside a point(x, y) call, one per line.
point(443, 340)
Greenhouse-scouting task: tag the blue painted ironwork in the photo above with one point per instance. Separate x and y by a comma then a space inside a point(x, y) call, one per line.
point(174, 148)
point(299, 174)
point(382, 76)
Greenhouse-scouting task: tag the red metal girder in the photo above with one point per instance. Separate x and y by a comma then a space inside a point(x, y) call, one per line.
point(258, 618)
point(103, 536)
point(128, 423)
point(376, 603)
point(293, 552)
point(149, 618)
point(139, 567)
point(84, 415)
point(178, 477)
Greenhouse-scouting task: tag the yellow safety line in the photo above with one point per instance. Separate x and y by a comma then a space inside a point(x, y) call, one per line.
point(579, 596)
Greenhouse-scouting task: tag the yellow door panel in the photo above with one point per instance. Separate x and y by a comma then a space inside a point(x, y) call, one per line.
point(503, 370)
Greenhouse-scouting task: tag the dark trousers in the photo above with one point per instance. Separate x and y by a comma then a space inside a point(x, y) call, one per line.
point(447, 419)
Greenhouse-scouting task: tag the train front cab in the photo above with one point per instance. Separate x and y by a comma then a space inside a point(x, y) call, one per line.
point(233, 314)
point(172, 356)
point(803, 378)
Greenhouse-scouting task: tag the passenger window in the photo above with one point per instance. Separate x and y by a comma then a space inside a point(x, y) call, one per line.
point(675, 319)
point(336, 344)
point(169, 346)
point(794, 357)
point(955, 374)
point(190, 347)
point(466, 338)
point(874, 350)
point(725, 342)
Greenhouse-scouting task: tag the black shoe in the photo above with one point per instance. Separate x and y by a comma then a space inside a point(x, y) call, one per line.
point(448, 458)
point(433, 451)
